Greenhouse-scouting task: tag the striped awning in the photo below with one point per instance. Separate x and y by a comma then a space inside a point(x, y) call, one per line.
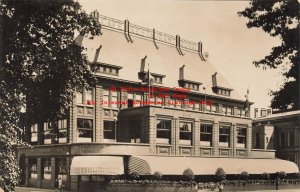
point(207, 166)
point(97, 165)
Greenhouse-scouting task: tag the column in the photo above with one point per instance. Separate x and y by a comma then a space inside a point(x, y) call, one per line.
point(249, 140)
point(233, 139)
point(98, 115)
point(68, 167)
point(26, 171)
point(73, 121)
point(39, 172)
point(175, 136)
point(53, 172)
point(152, 134)
point(196, 137)
point(215, 136)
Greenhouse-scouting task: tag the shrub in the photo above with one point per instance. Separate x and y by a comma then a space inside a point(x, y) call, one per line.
point(281, 175)
point(134, 175)
point(244, 176)
point(157, 175)
point(188, 174)
point(265, 176)
point(220, 174)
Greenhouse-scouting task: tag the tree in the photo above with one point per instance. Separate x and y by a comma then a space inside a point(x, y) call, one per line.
point(188, 174)
point(280, 19)
point(220, 174)
point(41, 66)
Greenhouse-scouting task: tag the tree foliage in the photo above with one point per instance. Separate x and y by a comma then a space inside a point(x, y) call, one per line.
point(188, 175)
point(220, 174)
point(41, 65)
point(279, 18)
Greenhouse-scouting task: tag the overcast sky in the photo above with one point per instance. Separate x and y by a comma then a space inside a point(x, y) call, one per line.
point(232, 47)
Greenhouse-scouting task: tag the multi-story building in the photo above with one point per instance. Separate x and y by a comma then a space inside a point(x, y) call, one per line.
point(279, 131)
point(160, 105)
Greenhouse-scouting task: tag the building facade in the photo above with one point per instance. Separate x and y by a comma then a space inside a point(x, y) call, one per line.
point(280, 131)
point(158, 100)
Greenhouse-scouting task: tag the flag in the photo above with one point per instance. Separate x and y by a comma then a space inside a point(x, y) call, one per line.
point(247, 103)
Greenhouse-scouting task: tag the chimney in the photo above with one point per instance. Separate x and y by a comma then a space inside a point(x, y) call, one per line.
point(97, 54)
point(214, 79)
point(181, 72)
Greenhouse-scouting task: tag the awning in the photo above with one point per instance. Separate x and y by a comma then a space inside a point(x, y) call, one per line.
point(208, 166)
point(97, 165)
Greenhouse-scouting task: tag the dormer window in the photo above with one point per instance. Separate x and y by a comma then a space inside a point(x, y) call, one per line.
point(219, 89)
point(106, 68)
point(157, 78)
point(187, 83)
point(222, 91)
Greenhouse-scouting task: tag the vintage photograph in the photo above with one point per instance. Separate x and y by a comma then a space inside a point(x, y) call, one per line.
point(149, 95)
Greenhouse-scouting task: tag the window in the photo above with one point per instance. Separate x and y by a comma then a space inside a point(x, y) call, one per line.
point(107, 69)
point(32, 168)
point(79, 97)
point(34, 133)
point(193, 86)
point(47, 133)
point(105, 98)
point(130, 100)
point(88, 95)
point(109, 130)
point(114, 99)
point(223, 92)
point(61, 169)
point(157, 78)
point(46, 168)
point(62, 131)
point(227, 110)
point(292, 139)
point(163, 131)
point(281, 141)
point(138, 99)
point(224, 136)
point(263, 112)
point(85, 130)
point(197, 106)
point(241, 137)
point(214, 108)
point(206, 135)
point(185, 135)
point(135, 131)
point(257, 140)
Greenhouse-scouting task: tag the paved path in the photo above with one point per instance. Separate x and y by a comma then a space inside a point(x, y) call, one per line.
point(28, 189)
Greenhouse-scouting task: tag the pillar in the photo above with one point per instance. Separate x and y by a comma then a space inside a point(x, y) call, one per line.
point(233, 139)
point(53, 172)
point(215, 136)
point(196, 137)
point(39, 172)
point(175, 136)
point(249, 140)
point(73, 120)
point(152, 134)
point(26, 172)
point(98, 114)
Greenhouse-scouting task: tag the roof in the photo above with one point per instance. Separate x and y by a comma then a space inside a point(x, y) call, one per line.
point(278, 116)
point(208, 166)
point(162, 56)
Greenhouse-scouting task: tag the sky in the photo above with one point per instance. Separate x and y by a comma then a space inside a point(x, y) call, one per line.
point(232, 47)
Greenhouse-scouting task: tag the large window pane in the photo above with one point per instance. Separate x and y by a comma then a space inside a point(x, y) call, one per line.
point(85, 130)
point(185, 136)
point(206, 135)
point(241, 137)
point(163, 133)
point(224, 136)
point(46, 168)
point(32, 162)
point(109, 130)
